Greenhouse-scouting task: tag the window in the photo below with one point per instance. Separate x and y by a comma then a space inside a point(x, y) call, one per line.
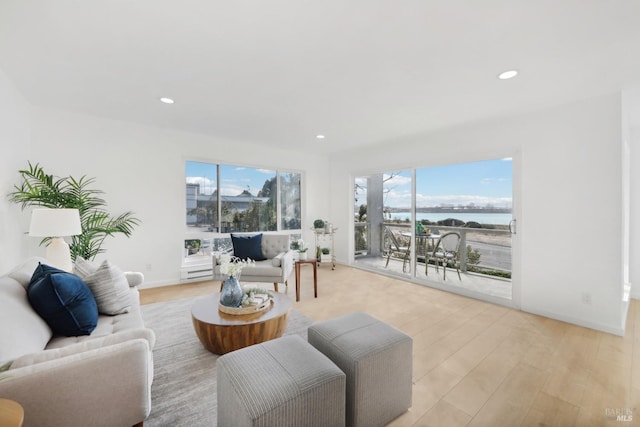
point(231, 198)
point(290, 215)
point(248, 199)
point(202, 200)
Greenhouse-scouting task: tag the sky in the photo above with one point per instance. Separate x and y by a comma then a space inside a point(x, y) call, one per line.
point(479, 183)
point(235, 179)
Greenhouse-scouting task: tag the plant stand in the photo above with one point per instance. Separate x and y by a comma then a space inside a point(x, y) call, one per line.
point(325, 239)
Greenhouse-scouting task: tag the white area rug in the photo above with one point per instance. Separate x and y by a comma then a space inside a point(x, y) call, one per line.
point(184, 385)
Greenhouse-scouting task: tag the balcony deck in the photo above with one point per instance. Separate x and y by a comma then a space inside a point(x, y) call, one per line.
point(473, 282)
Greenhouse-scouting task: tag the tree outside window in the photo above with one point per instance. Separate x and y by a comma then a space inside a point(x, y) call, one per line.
point(290, 215)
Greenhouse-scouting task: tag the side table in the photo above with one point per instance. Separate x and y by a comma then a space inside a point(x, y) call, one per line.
point(11, 413)
point(315, 277)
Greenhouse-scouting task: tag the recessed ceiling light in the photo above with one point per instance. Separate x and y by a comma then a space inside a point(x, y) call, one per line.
point(506, 75)
point(167, 100)
point(320, 136)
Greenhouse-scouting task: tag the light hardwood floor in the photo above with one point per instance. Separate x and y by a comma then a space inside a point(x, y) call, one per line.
point(479, 364)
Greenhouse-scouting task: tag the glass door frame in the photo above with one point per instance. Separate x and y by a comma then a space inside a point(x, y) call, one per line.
point(516, 214)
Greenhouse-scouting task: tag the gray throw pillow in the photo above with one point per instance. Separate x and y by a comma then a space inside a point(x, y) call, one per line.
point(107, 283)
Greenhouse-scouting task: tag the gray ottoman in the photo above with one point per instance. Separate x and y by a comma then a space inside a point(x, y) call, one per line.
point(378, 361)
point(282, 382)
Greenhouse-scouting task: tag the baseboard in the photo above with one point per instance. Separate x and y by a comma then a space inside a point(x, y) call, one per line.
point(615, 330)
point(172, 282)
point(196, 273)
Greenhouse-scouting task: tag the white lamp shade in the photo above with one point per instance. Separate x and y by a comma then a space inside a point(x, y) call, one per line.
point(55, 223)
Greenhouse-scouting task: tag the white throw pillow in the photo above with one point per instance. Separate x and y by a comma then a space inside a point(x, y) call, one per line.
point(107, 283)
point(83, 268)
point(277, 260)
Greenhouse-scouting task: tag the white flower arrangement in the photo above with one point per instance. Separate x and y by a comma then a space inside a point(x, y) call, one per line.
point(232, 265)
point(301, 246)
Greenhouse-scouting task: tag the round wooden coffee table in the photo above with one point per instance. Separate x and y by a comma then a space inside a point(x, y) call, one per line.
point(221, 333)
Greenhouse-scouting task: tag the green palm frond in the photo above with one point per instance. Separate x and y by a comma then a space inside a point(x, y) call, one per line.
point(40, 189)
point(85, 197)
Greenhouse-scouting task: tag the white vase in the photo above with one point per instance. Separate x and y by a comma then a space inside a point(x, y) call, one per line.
point(303, 256)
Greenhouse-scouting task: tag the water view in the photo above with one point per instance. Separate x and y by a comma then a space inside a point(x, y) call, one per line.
point(482, 218)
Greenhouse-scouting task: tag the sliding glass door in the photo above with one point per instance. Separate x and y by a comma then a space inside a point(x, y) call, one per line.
point(447, 226)
point(383, 221)
point(472, 204)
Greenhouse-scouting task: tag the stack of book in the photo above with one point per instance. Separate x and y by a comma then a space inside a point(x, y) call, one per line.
point(258, 299)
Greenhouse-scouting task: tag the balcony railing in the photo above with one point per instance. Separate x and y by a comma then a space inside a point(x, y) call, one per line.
point(490, 248)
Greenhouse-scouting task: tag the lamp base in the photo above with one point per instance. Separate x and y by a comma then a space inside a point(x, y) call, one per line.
point(58, 254)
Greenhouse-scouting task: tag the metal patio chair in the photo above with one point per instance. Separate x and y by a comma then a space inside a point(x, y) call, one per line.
point(392, 244)
point(446, 251)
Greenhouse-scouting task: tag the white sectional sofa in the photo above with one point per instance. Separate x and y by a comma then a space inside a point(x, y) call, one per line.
point(101, 379)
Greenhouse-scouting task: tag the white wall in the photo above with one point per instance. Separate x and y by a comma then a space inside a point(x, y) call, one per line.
point(15, 144)
point(631, 120)
point(634, 229)
point(142, 169)
point(568, 201)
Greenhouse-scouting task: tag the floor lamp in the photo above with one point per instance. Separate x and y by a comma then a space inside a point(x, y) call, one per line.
point(57, 224)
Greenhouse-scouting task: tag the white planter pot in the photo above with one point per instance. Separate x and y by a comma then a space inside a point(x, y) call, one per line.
point(302, 256)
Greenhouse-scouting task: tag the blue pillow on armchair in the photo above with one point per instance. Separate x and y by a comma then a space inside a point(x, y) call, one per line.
point(63, 300)
point(248, 246)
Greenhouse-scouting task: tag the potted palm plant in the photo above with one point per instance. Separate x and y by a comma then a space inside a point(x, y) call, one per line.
point(40, 189)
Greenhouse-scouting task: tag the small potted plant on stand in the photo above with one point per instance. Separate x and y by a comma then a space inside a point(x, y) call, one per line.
point(325, 255)
point(302, 250)
point(192, 246)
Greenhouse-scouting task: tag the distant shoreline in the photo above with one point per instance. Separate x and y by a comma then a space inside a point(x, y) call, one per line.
point(453, 210)
point(484, 217)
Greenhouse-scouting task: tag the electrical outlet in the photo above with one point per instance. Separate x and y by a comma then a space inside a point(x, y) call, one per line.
point(586, 298)
point(148, 267)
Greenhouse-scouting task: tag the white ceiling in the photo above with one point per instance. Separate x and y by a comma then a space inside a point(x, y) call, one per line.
point(281, 71)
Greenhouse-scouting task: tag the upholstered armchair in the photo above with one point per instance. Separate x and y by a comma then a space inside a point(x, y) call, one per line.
point(273, 259)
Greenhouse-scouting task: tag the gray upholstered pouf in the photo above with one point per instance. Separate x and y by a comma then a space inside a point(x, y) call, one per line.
point(282, 382)
point(378, 361)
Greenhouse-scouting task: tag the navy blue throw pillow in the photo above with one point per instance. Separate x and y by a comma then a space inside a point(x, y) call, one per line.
point(245, 246)
point(42, 270)
point(63, 300)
